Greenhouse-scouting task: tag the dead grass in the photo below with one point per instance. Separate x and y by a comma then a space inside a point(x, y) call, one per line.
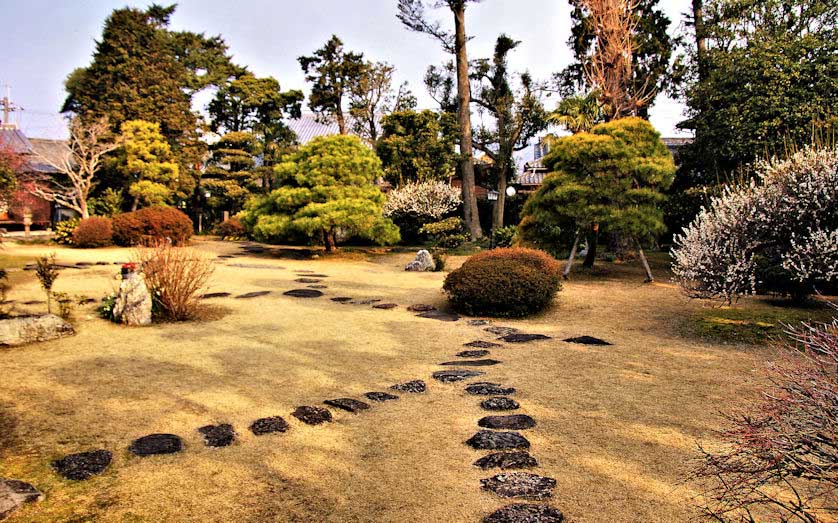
point(617, 426)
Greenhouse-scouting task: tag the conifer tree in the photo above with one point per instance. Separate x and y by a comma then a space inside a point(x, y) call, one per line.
point(231, 178)
point(149, 167)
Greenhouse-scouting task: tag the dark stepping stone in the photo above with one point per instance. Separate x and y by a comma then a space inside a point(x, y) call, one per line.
point(103, 263)
point(270, 425)
point(439, 315)
point(484, 388)
point(520, 337)
point(348, 404)
point(525, 513)
point(386, 306)
point(480, 344)
point(342, 299)
point(473, 353)
point(156, 444)
point(218, 435)
point(34, 302)
point(415, 387)
point(453, 375)
point(303, 293)
point(369, 301)
point(421, 307)
point(519, 459)
point(83, 465)
point(317, 275)
point(511, 422)
point(501, 331)
point(381, 396)
point(587, 340)
point(479, 323)
point(317, 286)
point(85, 264)
point(214, 295)
point(519, 485)
point(312, 415)
point(491, 440)
point(471, 363)
point(307, 280)
point(88, 301)
point(254, 294)
point(499, 403)
point(225, 256)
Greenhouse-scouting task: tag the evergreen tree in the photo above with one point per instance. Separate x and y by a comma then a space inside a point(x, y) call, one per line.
point(326, 193)
point(230, 177)
point(150, 171)
point(417, 146)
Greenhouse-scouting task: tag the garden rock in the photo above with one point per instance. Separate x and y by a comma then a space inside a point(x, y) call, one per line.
point(472, 353)
point(438, 315)
point(480, 344)
point(156, 444)
point(501, 331)
point(312, 415)
point(478, 323)
point(318, 275)
point(83, 465)
point(348, 404)
point(254, 294)
point(421, 307)
point(423, 262)
point(218, 435)
point(31, 329)
point(369, 301)
point(499, 403)
point(303, 293)
point(471, 363)
point(385, 306)
point(484, 388)
point(133, 301)
point(454, 375)
point(307, 280)
point(525, 513)
point(381, 396)
point(491, 440)
point(519, 459)
point(269, 425)
point(14, 494)
point(523, 338)
point(519, 485)
point(587, 340)
point(414, 387)
point(341, 299)
point(511, 422)
point(211, 295)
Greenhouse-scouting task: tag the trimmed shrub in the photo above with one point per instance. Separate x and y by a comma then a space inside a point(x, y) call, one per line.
point(63, 234)
point(231, 229)
point(95, 231)
point(150, 224)
point(504, 236)
point(446, 234)
point(504, 282)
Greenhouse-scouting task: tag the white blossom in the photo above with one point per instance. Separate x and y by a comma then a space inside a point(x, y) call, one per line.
point(431, 200)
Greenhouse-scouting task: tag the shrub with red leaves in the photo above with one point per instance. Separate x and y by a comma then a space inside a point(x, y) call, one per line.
point(95, 231)
point(150, 224)
point(231, 229)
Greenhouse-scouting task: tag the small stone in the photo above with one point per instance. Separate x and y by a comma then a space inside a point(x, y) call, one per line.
point(348, 404)
point(103, 263)
point(423, 262)
point(480, 344)
point(269, 425)
point(386, 306)
point(218, 435)
point(587, 340)
point(519, 459)
point(31, 329)
point(83, 465)
point(471, 363)
point(303, 293)
point(451, 376)
point(254, 294)
point(369, 301)
point(421, 307)
point(484, 388)
point(84, 264)
point(156, 444)
point(414, 387)
point(211, 295)
point(525, 513)
point(519, 485)
point(318, 275)
point(14, 494)
point(478, 323)
point(341, 299)
point(225, 256)
point(491, 440)
point(472, 353)
point(312, 415)
point(523, 338)
point(307, 280)
point(499, 403)
point(511, 422)
point(381, 396)
point(438, 315)
point(501, 331)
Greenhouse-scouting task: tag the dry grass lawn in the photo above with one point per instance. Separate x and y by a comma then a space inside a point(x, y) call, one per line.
point(617, 426)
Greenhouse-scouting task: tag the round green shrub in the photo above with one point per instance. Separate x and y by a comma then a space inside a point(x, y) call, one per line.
point(504, 282)
point(92, 232)
point(151, 223)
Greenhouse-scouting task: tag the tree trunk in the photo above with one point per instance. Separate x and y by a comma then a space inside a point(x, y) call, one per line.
point(329, 240)
point(135, 204)
point(85, 213)
point(572, 256)
point(470, 213)
point(497, 215)
point(341, 120)
point(593, 238)
point(700, 38)
point(649, 277)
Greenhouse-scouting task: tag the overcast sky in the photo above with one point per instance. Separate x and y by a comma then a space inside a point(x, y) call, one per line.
point(43, 40)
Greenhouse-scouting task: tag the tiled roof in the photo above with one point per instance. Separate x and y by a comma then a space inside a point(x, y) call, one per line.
point(307, 127)
point(36, 148)
point(16, 140)
point(533, 177)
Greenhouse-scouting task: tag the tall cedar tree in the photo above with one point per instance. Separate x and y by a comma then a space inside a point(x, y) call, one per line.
point(150, 171)
point(325, 192)
point(417, 146)
point(412, 15)
point(333, 73)
point(613, 176)
point(231, 176)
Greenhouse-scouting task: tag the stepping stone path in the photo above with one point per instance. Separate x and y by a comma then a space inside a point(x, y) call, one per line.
point(414, 387)
point(490, 440)
point(341, 299)
point(473, 353)
point(307, 280)
point(14, 494)
point(83, 465)
point(480, 344)
point(471, 363)
point(587, 340)
point(519, 459)
point(511, 422)
point(211, 295)
point(270, 425)
point(499, 403)
point(156, 444)
point(451, 376)
point(254, 294)
point(381, 396)
point(484, 388)
point(439, 315)
point(478, 323)
point(303, 293)
point(348, 404)
point(218, 435)
point(312, 415)
point(525, 513)
point(523, 338)
point(386, 306)
point(501, 331)
point(519, 485)
point(421, 307)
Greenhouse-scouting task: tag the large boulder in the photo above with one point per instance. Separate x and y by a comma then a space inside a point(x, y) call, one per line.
point(14, 493)
point(423, 262)
point(30, 329)
point(133, 301)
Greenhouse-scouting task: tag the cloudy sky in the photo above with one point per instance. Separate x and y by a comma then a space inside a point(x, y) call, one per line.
point(43, 40)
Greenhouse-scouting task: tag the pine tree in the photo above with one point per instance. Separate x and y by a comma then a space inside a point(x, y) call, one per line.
point(231, 176)
point(149, 167)
point(417, 146)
